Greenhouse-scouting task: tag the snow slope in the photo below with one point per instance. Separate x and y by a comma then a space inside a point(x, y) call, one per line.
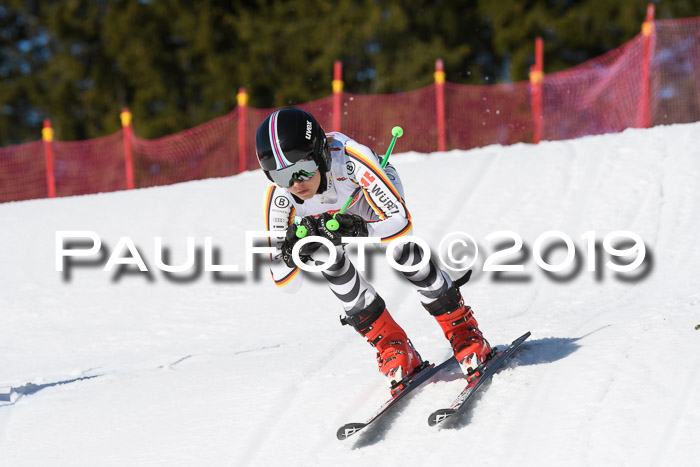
point(103, 368)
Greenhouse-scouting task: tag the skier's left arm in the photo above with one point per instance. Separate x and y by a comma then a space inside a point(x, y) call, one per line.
point(383, 191)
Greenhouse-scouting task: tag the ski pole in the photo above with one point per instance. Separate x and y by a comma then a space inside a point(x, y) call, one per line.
point(333, 224)
point(396, 133)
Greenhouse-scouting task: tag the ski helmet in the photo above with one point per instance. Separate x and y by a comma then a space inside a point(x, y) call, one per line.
point(291, 145)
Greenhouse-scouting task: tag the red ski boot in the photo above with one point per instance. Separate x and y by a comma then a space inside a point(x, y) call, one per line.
point(396, 356)
point(461, 329)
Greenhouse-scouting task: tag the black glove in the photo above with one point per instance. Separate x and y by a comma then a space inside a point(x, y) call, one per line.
point(349, 225)
point(291, 239)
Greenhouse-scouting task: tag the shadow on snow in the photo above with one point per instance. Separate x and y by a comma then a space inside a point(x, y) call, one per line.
point(532, 352)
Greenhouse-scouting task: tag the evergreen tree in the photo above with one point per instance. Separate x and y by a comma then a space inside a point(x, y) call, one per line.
point(22, 51)
point(177, 64)
point(573, 30)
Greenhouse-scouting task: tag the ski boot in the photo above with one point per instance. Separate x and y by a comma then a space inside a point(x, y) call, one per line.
point(396, 357)
point(461, 329)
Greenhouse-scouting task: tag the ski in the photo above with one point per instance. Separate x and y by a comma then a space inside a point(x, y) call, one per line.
point(487, 370)
point(413, 383)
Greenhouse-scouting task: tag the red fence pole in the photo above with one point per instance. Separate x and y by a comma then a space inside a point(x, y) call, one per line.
point(337, 94)
point(440, 102)
point(644, 110)
point(127, 132)
point(47, 137)
point(242, 101)
point(536, 79)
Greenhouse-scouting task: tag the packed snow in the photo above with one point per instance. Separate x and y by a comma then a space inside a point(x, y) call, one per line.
point(124, 367)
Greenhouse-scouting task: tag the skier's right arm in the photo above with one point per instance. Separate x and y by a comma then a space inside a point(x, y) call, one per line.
point(279, 215)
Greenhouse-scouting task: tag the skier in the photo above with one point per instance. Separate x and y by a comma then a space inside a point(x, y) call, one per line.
point(313, 175)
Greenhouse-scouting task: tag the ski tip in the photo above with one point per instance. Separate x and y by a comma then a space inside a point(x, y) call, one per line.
point(348, 430)
point(439, 416)
point(522, 338)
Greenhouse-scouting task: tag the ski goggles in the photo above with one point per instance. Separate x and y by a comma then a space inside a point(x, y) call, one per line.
point(300, 171)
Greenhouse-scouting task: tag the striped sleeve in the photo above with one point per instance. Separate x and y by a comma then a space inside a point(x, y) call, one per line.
point(279, 214)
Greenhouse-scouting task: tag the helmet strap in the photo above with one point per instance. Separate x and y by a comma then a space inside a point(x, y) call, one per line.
point(325, 183)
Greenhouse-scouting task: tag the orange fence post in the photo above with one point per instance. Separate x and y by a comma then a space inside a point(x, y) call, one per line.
point(337, 94)
point(127, 132)
point(440, 102)
point(47, 137)
point(644, 109)
point(536, 79)
point(242, 101)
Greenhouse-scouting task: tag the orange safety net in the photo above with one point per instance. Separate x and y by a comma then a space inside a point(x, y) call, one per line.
point(603, 95)
point(23, 172)
point(205, 151)
point(675, 72)
point(91, 166)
